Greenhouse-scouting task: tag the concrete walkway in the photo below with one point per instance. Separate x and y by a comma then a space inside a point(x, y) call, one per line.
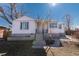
point(39, 42)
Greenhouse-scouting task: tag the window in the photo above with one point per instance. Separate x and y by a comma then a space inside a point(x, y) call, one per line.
point(53, 25)
point(24, 25)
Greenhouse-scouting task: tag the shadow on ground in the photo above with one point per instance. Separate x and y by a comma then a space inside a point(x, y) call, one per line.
point(20, 48)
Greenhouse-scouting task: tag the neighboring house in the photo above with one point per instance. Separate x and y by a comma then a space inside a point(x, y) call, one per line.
point(3, 32)
point(27, 25)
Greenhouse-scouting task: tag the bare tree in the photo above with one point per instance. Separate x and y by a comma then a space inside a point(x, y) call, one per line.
point(68, 23)
point(12, 13)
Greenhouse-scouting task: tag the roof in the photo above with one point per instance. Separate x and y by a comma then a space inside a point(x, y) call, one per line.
point(24, 18)
point(3, 27)
point(29, 18)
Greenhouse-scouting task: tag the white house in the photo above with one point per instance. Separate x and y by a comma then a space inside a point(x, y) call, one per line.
point(27, 25)
point(23, 25)
point(55, 28)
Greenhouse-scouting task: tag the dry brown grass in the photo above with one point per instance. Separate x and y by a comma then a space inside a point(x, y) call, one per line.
point(71, 49)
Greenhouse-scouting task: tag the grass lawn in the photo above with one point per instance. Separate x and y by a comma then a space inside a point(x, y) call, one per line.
point(20, 48)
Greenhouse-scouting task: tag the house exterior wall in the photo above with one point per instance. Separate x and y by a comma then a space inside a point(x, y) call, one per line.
point(33, 26)
point(1, 33)
point(16, 27)
point(56, 30)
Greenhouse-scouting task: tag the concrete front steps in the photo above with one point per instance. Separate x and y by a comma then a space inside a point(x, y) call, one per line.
point(39, 42)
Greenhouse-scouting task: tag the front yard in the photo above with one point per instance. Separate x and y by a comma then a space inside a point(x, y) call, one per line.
point(24, 48)
point(70, 48)
point(20, 48)
point(65, 51)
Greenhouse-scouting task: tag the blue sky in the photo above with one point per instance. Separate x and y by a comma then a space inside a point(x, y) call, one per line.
point(56, 12)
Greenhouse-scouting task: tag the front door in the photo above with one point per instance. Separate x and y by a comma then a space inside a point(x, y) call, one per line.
point(39, 29)
point(42, 27)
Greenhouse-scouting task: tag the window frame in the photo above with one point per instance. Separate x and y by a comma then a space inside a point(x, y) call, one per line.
point(53, 25)
point(24, 25)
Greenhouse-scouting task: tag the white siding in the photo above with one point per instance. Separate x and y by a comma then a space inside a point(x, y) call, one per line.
point(55, 30)
point(16, 27)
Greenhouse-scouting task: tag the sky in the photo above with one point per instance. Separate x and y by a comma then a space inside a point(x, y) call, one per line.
point(55, 12)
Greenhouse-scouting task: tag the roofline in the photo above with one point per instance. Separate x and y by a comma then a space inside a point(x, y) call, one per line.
point(23, 16)
point(4, 26)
